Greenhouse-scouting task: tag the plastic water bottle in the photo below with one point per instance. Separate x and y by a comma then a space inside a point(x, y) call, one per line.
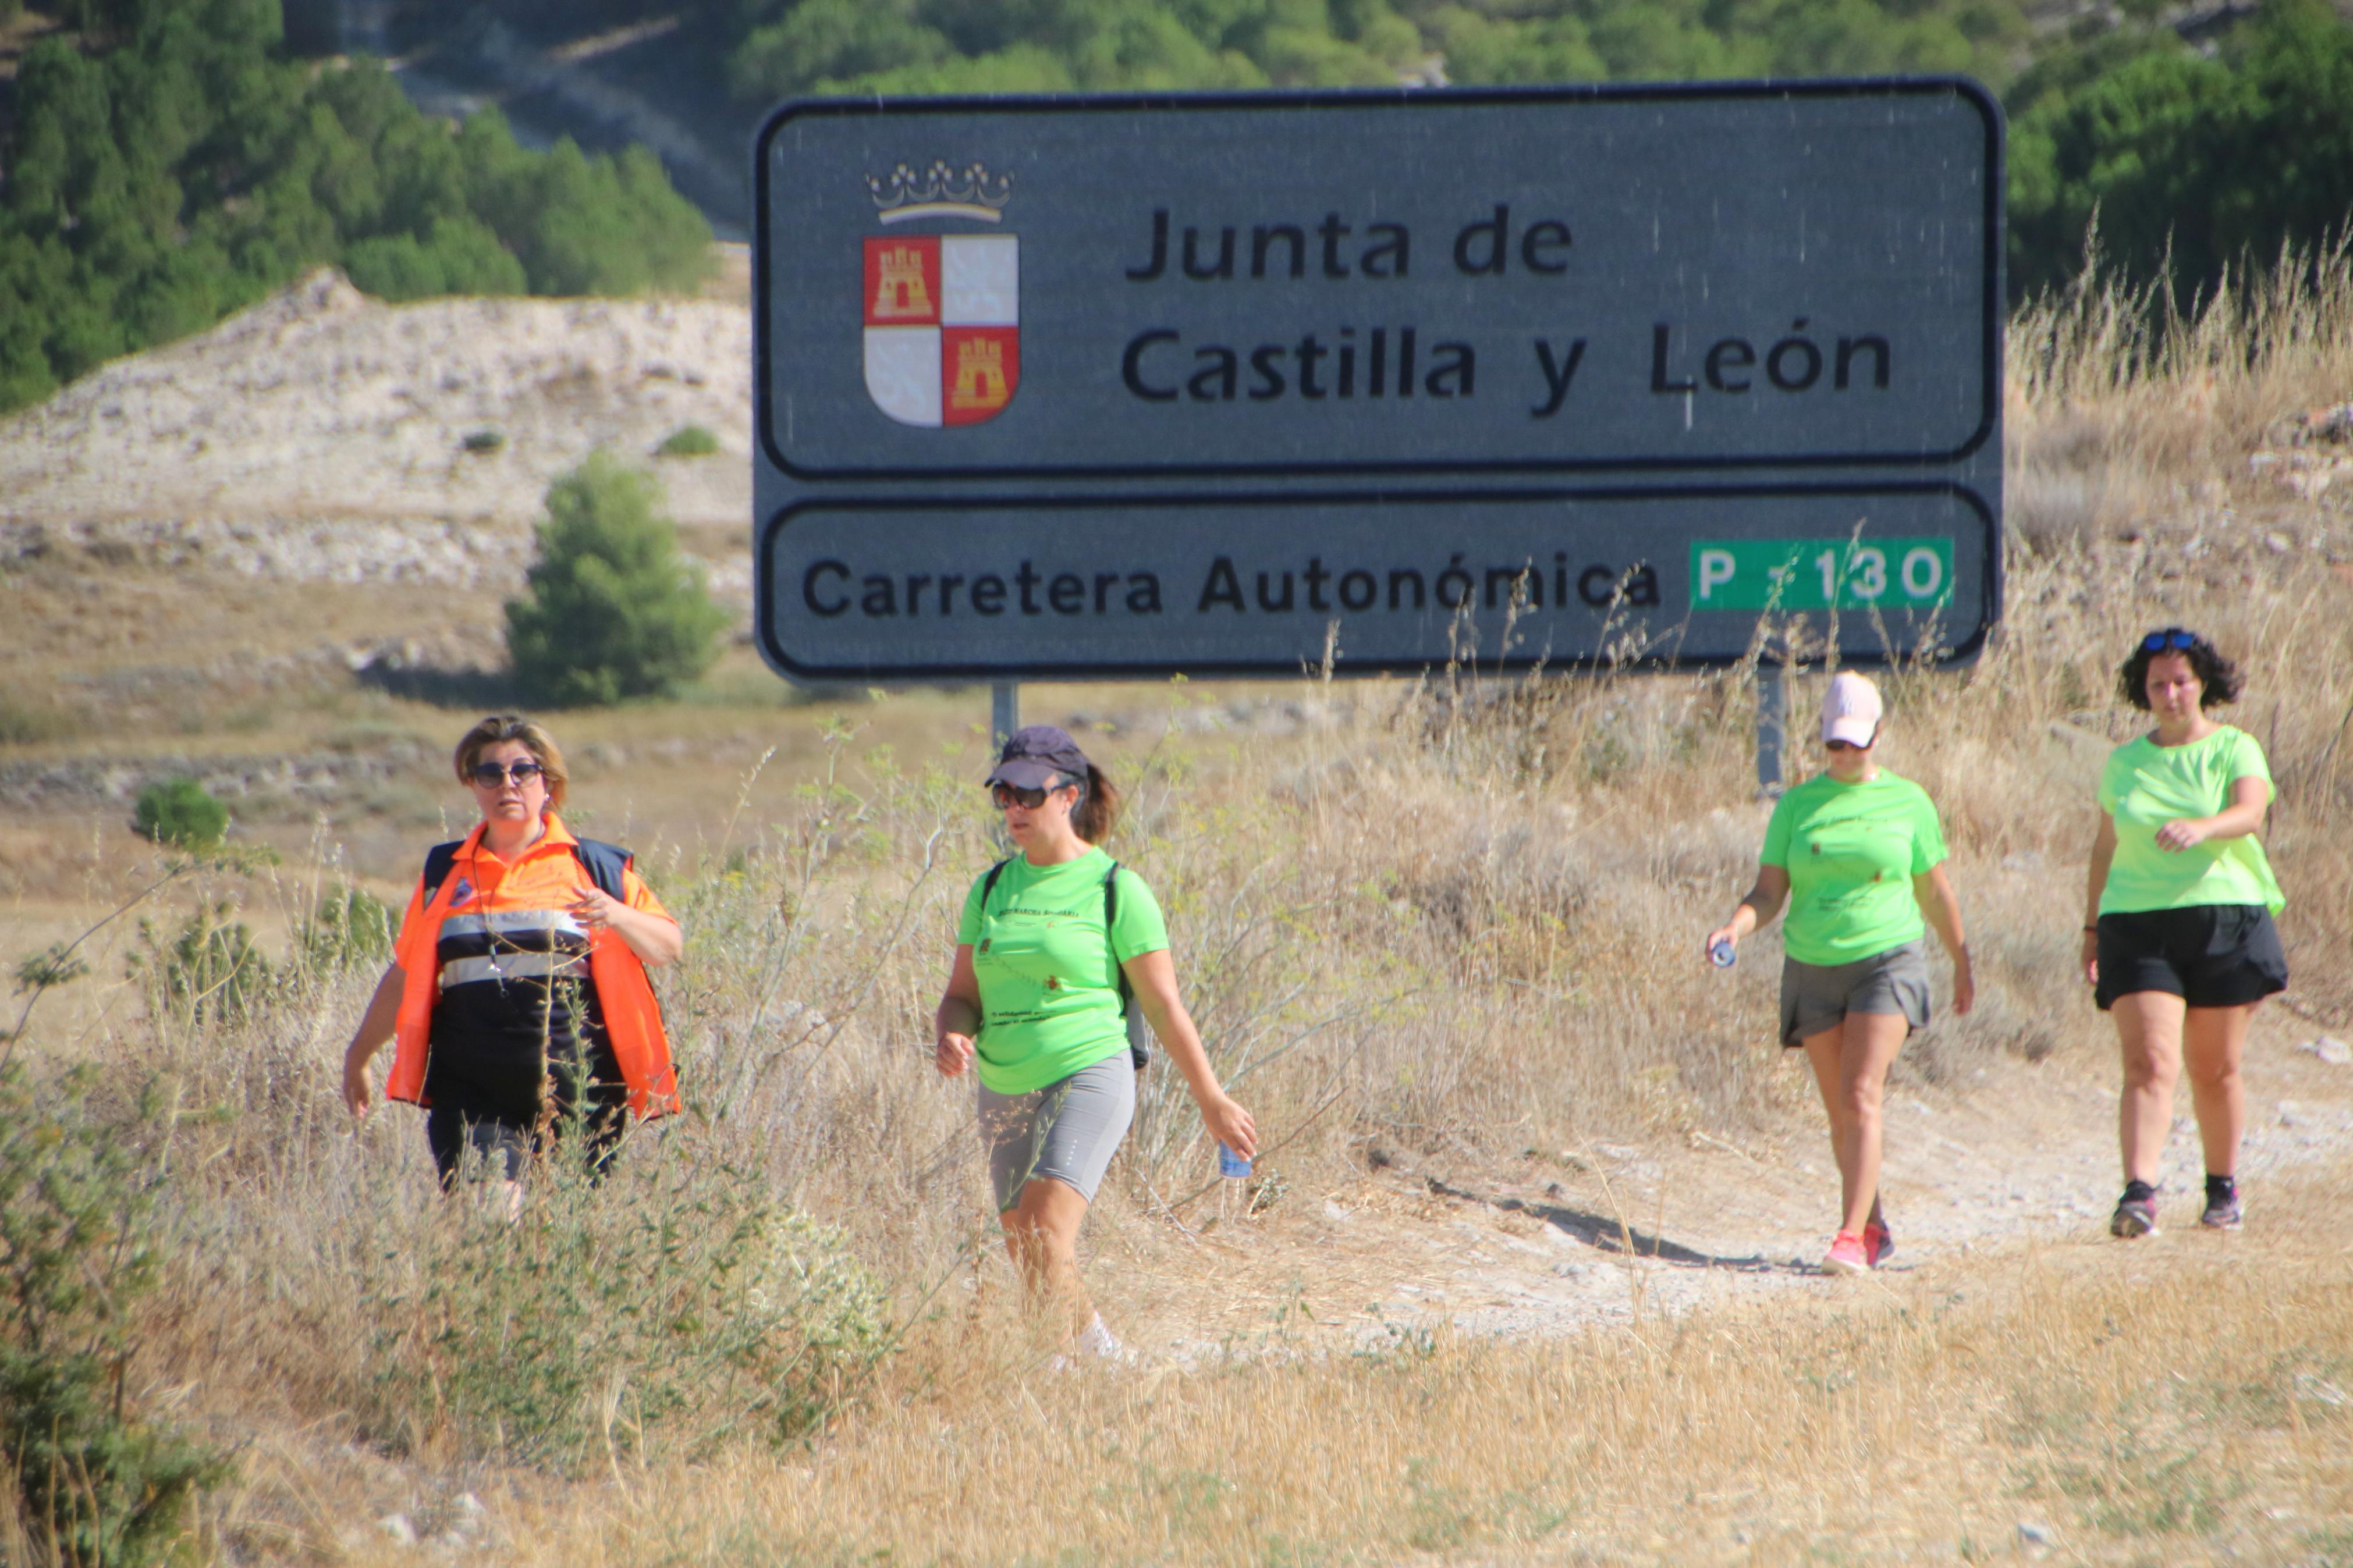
point(1721, 953)
point(1230, 1166)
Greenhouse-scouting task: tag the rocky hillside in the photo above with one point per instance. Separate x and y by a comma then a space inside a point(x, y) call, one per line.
point(324, 436)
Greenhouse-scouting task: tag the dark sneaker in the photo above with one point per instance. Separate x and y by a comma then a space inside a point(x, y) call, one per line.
point(2133, 1216)
point(2222, 1212)
point(1846, 1254)
point(1877, 1243)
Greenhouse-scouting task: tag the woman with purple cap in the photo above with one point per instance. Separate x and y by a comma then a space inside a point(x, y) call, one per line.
point(1858, 854)
point(1048, 942)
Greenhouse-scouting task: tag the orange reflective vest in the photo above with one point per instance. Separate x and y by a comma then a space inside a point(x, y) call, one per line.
point(633, 1020)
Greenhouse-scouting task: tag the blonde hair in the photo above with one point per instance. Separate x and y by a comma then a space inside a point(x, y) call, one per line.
point(499, 728)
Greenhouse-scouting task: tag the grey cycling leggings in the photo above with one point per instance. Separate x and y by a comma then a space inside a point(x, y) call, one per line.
point(1068, 1129)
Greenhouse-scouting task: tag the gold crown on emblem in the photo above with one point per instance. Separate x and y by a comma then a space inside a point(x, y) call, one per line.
point(941, 191)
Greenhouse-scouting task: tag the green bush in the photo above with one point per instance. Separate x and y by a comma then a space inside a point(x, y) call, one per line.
point(664, 1312)
point(93, 1474)
point(775, 48)
point(352, 930)
point(209, 970)
point(688, 441)
point(612, 610)
point(24, 725)
point(179, 814)
point(2192, 164)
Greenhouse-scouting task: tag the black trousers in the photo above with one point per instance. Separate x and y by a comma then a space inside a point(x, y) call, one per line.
point(503, 1129)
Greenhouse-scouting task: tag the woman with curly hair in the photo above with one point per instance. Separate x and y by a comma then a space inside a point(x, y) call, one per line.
point(2178, 942)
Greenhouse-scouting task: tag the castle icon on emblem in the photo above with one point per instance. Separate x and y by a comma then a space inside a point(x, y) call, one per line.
point(943, 311)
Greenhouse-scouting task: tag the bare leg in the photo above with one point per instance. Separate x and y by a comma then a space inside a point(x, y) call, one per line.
point(1850, 1064)
point(2148, 1029)
point(1042, 1237)
point(2214, 1043)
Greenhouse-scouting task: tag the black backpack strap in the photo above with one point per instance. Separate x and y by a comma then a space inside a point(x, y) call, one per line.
point(438, 863)
point(989, 883)
point(1137, 1051)
point(605, 864)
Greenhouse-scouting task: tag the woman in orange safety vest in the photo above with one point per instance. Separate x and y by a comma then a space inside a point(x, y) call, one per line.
point(517, 997)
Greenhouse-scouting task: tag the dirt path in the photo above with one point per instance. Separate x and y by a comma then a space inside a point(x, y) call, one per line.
point(2020, 1154)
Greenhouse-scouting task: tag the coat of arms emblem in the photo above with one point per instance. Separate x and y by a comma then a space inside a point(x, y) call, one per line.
point(943, 310)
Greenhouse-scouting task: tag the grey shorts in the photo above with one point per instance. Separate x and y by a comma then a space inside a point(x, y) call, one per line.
point(1068, 1129)
point(1818, 996)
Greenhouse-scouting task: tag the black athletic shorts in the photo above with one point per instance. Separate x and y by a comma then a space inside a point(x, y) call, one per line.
point(2210, 956)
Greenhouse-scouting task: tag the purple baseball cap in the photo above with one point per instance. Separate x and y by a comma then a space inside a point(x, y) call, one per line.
point(1039, 757)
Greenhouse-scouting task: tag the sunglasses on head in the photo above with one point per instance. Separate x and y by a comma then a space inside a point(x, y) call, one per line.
point(2172, 637)
point(491, 775)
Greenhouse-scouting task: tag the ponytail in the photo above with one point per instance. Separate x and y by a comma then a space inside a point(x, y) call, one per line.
point(1098, 809)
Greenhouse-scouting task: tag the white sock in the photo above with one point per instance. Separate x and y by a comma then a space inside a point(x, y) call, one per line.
point(1098, 1340)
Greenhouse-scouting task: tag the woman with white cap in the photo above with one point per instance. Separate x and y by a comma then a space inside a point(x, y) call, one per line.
point(1858, 854)
point(1048, 941)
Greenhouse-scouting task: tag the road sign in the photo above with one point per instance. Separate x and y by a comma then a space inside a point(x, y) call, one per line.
point(1240, 585)
point(1131, 337)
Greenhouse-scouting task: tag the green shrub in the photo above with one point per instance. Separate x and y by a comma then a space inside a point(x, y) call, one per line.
point(352, 930)
point(612, 610)
point(179, 814)
point(23, 725)
point(688, 441)
point(207, 970)
point(2192, 165)
point(666, 1311)
point(93, 1474)
point(165, 163)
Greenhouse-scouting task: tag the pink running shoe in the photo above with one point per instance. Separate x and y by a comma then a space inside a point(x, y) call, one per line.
point(1847, 1255)
point(1877, 1243)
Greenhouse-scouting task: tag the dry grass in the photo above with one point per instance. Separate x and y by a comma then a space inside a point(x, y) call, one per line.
point(1452, 919)
point(2186, 1402)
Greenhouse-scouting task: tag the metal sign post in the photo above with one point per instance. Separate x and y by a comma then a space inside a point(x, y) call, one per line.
point(1772, 727)
point(1105, 387)
point(1004, 711)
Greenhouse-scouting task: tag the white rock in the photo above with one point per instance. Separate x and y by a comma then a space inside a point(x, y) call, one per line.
point(2330, 1049)
point(2315, 1388)
point(397, 1525)
point(2037, 1534)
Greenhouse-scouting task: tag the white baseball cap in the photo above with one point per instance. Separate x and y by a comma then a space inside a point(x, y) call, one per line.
point(1850, 709)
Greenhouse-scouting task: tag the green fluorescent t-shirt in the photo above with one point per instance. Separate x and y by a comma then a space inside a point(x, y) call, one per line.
point(2146, 785)
point(1852, 850)
point(1047, 970)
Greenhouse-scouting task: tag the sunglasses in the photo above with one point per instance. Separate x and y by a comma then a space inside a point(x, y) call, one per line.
point(489, 776)
point(1844, 746)
point(2172, 637)
point(1006, 795)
